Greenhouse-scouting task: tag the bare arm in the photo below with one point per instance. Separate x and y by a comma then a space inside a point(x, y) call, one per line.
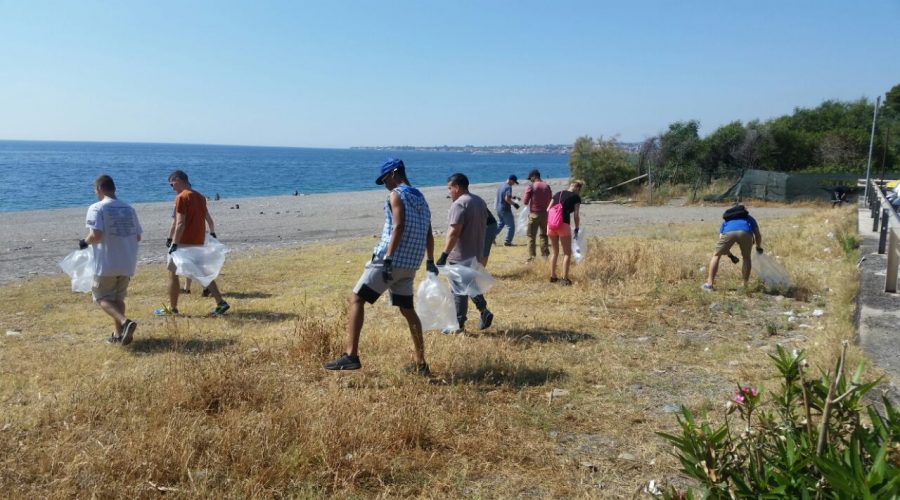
point(398, 213)
point(758, 237)
point(452, 237)
point(210, 223)
point(177, 228)
point(576, 214)
point(172, 229)
point(94, 236)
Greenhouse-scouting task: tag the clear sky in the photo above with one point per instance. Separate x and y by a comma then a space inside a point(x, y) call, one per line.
point(342, 73)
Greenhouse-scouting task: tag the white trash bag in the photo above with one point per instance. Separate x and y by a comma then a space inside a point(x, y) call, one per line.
point(771, 272)
point(522, 220)
point(579, 246)
point(79, 265)
point(200, 263)
point(468, 277)
point(434, 305)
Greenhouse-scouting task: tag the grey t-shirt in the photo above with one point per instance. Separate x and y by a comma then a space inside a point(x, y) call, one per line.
point(470, 211)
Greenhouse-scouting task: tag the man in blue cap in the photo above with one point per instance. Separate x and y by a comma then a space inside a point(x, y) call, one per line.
point(405, 239)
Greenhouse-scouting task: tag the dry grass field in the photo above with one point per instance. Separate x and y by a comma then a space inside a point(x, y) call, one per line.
point(562, 397)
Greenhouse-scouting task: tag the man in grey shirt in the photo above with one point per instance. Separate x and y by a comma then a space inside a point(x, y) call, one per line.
point(465, 240)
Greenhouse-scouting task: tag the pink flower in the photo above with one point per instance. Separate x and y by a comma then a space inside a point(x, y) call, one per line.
point(739, 398)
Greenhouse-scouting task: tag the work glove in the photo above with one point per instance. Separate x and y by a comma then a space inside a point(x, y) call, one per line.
point(387, 270)
point(213, 235)
point(442, 260)
point(576, 233)
point(168, 242)
point(82, 244)
point(430, 267)
point(516, 205)
point(173, 247)
point(759, 250)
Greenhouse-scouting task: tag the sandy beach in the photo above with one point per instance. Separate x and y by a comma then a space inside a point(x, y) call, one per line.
point(36, 241)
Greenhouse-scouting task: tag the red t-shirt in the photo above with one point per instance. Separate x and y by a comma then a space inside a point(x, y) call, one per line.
point(538, 194)
point(192, 207)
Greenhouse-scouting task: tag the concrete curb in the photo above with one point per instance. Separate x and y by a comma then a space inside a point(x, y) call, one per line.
point(878, 312)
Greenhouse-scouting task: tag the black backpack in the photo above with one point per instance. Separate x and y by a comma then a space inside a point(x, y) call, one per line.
point(736, 212)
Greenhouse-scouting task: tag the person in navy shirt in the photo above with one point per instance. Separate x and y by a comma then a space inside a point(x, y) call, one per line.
point(737, 227)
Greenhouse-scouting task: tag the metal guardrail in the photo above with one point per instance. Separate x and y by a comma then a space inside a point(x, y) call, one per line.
point(887, 224)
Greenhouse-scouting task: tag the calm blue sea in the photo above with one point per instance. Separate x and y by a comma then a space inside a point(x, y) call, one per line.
point(39, 175)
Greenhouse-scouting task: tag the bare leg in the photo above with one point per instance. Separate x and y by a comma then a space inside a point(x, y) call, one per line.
point(554, 254)
point(354, 327)
point(745, 271)
point(415, 331)
point(173, 290)
point(214, 291)
point(567, 255)
point(116, 310)
point(713, 269)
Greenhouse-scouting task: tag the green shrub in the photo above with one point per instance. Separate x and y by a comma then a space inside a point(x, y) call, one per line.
point(809, 441)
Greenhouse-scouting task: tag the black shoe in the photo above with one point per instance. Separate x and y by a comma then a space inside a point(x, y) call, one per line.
point(128, 329)
point(487, 317)
point(345, 362)
point(206, 292)
point(418, 369)
point(507, 244)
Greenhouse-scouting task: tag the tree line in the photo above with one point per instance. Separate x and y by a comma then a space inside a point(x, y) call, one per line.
point(832, 137)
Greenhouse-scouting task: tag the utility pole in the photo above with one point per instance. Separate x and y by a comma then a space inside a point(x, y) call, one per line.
point(871, 144)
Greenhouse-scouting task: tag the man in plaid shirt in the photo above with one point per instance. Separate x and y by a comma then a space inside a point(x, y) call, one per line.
point(405, 239)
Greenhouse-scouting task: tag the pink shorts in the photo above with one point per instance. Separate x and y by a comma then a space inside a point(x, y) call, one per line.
point(565, 230)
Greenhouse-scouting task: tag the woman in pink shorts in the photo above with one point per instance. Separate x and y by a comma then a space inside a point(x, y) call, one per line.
point(570, 200)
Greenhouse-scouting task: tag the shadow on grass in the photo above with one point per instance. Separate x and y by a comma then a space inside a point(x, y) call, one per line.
point(247, 295)
point(544, 335)
point(497, 375)
point(193, 346)
point(268, 316)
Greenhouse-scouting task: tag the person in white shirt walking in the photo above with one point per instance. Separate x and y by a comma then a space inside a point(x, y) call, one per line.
point(113, 237)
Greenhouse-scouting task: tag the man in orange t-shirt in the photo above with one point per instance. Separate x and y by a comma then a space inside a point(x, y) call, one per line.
point(188, 229)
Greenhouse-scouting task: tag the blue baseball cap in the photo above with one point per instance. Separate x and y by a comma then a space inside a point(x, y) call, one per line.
point(390, 165)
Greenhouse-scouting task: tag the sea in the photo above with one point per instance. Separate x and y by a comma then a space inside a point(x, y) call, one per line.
point(37, 175)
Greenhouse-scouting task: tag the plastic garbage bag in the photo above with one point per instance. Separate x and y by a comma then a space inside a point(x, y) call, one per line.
point(200, 263)
point(434, 304)
point(468, 277)
point(79, 265)
point(579, 246)
point(522, 220)
point(771, 272)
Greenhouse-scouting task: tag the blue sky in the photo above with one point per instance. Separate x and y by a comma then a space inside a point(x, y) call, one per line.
point(338, 74)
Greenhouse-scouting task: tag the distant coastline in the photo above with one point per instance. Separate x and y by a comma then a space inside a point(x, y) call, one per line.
point(521, 149)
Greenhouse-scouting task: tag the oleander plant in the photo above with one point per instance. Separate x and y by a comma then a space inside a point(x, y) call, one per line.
point(813, 438)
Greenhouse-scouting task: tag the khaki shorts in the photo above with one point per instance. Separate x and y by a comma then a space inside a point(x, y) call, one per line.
point(110, 287)
point(371, 285)
point(727, 240)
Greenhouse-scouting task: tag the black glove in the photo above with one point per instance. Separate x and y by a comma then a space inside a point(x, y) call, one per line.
point(734, 259)
point(387, 270)
point(759, 250)
point(173, 247)
point(168, 242)
point(430, 267)
point(213, 234)
point(516, 205)
point(576, 233)
point(442, 260)
point(82, 244)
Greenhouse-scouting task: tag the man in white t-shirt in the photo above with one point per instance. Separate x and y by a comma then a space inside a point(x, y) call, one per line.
point(114, 236)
